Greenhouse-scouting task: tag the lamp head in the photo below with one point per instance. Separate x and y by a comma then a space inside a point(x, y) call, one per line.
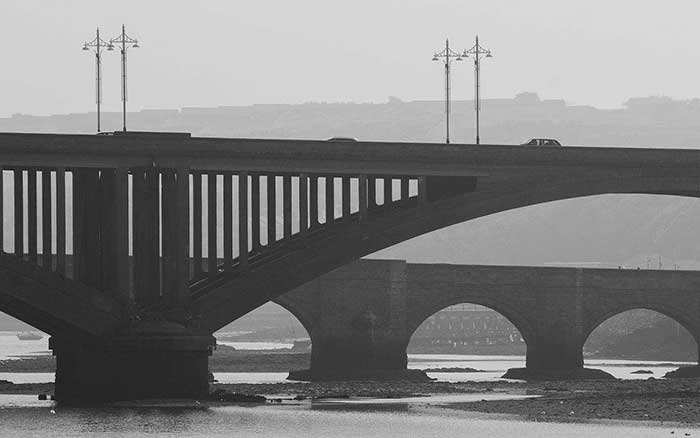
point(136, 45)
point(85, 47)
point(110, 47)
point(435, 58)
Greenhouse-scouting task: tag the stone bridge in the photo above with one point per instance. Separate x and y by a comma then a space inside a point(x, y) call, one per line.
point(172, 237)
point(362, 316)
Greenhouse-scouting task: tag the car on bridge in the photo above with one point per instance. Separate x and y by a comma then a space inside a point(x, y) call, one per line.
point(547, 142)
point(342, 139)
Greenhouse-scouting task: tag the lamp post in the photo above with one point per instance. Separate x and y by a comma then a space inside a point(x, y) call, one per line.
point(97, 44)
point(477, 51)
point(447, 55)
point(124, 41)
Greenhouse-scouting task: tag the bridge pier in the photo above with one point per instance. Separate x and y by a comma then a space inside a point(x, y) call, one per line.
point(153, 360)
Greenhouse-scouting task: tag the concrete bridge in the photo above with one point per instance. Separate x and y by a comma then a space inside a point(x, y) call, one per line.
point(361, 317)
point(162, 259)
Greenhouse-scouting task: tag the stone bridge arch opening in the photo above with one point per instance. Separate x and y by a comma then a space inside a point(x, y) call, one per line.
point(642, 333)
point(272, 329)
point(469, 329)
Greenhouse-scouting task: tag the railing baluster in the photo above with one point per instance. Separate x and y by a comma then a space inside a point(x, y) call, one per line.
point(362, 196)
point(32, 215)
point(243, 219)
point(422, 190)
point(372, 192)
point(303, 204)
point(346, 198)
point(388, 183)
point(228, 221)
point(404, 188)
point(271, 210)
point(287, 205)
point(211, 224)
point(330, 207)
point(61, 220)
point(313, 201)
point(255, 211)
point(46, 220)
point(76, 229)
point(197, 222)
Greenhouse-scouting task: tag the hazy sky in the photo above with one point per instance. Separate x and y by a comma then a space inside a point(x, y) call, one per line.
point(208, 53)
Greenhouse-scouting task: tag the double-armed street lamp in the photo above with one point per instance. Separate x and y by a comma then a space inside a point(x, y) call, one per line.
point(97, 45)
point(447, 54)
point(125, 42)
point(478, 52)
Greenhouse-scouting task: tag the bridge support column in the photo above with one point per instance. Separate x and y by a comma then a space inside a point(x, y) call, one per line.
point(357, 323)
point(154, 360)
point(554, 354)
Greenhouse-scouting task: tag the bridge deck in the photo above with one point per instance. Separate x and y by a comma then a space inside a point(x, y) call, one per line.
point(389, 158)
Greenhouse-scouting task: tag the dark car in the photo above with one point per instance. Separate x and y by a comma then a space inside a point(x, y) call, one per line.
point(542, 142)
point(342, 139)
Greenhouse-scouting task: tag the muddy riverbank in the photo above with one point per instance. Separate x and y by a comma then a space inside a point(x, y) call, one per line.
point(657, 400)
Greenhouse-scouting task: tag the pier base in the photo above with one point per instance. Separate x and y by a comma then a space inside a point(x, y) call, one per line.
point(153, 360)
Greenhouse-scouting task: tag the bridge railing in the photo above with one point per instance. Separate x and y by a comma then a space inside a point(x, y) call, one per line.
point(159, 235)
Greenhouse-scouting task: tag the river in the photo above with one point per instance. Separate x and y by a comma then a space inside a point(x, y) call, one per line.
point(24, 415)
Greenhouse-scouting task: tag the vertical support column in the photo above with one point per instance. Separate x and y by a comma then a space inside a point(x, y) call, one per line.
point(255, 211)
point(271, 210)
point(228, 221)
point(197, 222)
point(2, 210)
point(61, 220)
point(146, 254)
point(303, 203)
point(46, 217)
point(175, 201)
point(87, 209)
point(330, 201)
point(32, 215)
point(404, 188)
point(313, 201)
point(211, 224)
point(372, 192)
point(19, 212)
point(346, 198)
point(388, 190)
point(115, 232)
point(243, 219)
point(422, 190)
point(287, 205)
point(362, 187)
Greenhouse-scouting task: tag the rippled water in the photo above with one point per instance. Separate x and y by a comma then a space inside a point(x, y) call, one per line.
point(338, 419)
point(24, 415)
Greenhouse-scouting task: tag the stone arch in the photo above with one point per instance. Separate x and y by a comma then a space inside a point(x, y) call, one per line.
point(684, 318)
point(303, 316)
point(506, 310)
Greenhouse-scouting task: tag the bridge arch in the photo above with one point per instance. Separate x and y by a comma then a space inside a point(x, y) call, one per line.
point(412, 332)
point(506, 310)
point(684, 317)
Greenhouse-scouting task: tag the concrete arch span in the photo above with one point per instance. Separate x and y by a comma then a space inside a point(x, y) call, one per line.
point(492, 194)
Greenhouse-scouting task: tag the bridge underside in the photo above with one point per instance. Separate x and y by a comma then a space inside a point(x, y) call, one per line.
point(173, 237)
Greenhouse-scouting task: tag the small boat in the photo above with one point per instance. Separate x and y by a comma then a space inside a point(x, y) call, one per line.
point(29, 336)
